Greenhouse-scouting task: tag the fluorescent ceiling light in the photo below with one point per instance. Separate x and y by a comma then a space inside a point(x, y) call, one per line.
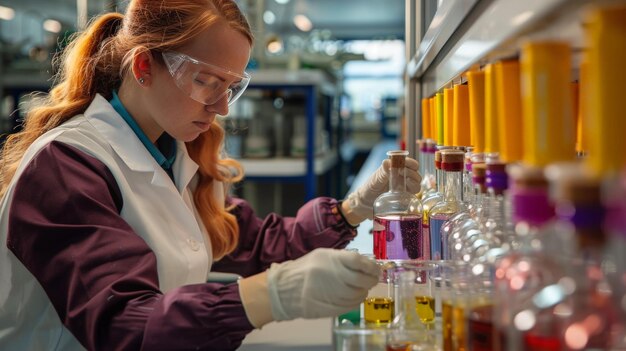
point(303, 23)
point(51, 25)
point(282, 2)
point(6, 13)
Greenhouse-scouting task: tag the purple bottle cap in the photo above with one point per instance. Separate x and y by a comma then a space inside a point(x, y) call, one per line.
point(496, 176)
point(532, 206)
point(586, 216)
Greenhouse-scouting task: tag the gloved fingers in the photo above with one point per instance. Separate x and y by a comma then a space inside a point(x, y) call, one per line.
point(357, 262)
point(379, 181)
point(360, 282)
point(411, 163)
point(413, 182)
point(353, 298)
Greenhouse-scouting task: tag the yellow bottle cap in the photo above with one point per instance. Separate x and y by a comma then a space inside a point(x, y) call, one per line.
point(448, 107)
point(425, 118)
point(433, 118)
point(607, 74)
point(461, 116)
point(440, 123)
point(492, 140)
point(546, 95)
point(509, 111)
point(476, 86)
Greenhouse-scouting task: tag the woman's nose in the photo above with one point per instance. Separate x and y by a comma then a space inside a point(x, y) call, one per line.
point(220, 106)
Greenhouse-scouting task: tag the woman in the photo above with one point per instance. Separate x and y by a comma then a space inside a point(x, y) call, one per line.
point(113, 200)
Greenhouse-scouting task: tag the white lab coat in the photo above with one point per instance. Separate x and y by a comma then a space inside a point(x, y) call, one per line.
point(174, 232)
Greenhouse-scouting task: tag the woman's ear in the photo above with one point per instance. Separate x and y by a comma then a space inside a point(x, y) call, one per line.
point(142, 67)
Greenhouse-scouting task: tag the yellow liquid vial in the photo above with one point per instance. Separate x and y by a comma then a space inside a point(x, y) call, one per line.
point(446, 325)
point(378, 310)
point(425, 307)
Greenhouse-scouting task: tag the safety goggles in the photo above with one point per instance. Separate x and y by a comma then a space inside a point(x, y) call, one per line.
point(204, 82)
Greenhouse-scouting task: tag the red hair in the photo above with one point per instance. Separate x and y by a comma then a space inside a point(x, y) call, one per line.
point(96, 61)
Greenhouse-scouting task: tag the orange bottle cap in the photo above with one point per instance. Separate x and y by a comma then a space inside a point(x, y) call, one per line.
point(509, 111)
point(476, 87)
point(448, 107)
point(461, 116)
point(546, 97)
point(607, 74)
point(492, 139)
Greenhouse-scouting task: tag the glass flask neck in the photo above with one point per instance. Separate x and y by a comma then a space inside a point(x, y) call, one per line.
point(397, 180)
point(441, 181)
point(453, 190)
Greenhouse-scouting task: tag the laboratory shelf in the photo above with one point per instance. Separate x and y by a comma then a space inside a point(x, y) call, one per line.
point(317, 87)
point(287, 166)
point(490, 30)
point(288, 78)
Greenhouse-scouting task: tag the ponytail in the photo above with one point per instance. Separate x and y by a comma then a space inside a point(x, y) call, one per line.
point(88, 67)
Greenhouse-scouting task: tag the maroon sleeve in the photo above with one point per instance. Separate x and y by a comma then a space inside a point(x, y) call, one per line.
point(277, 239)
point(101, 277)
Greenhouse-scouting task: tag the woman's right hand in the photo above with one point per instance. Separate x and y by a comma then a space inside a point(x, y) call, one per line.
point(322, 283)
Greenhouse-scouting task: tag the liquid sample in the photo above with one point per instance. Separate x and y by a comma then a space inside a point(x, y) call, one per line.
point(399, 346)
point(378, 310)
point(436, 243)
point(481, 330)
point(398, 237)
point(458, 328)
point(446, 325)
point(425, 307)
point(538, 342)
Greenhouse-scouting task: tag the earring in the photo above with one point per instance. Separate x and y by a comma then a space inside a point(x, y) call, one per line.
point(141, 80)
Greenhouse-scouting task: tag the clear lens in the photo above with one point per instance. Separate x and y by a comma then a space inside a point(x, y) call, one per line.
point(204, 82)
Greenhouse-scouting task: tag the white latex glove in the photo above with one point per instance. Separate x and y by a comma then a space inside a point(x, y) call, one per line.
point(361, 202)
point(322, 283)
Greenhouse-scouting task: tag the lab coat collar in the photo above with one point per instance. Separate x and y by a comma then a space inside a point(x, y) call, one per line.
point(130, 149)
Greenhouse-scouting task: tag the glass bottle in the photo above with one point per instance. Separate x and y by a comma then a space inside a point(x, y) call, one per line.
point(584, 318)
point(496, 229)
point(398, 217)
point(524, 272)
point(452, 165)
point(432, 199)
point(467, 229)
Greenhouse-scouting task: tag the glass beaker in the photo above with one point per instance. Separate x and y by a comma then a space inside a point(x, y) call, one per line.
point(408, 332)
point(398, 216)
point(379, 305)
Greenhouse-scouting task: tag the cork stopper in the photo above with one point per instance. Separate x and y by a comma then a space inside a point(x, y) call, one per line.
point(583, 192)
point(479, 170)
point(527, 177)
point(452, 160)
point(496, 167)
point(431, 145)
point(397, 158)
point(421, 145)
point(452, 156)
